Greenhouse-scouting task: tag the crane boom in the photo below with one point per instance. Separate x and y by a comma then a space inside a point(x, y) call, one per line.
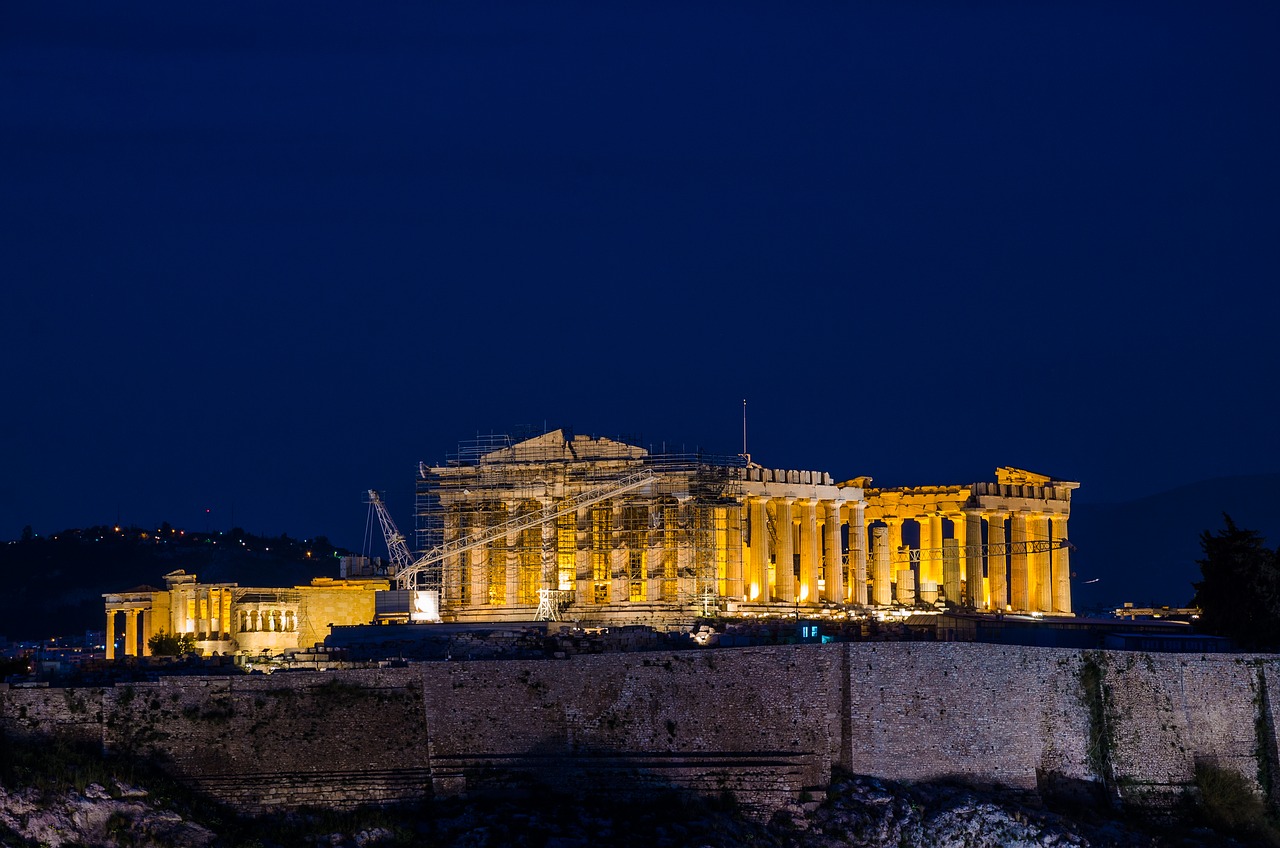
point(397, 550)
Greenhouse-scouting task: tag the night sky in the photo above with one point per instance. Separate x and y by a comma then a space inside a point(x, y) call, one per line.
point(258, 258)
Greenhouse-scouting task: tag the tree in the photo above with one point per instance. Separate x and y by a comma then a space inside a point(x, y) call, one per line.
point(1239, 596)
point(171, 645)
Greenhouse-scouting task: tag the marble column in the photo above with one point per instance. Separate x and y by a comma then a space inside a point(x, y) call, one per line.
point(833, 565)
point(971, 557)
point(1019, 577)
point(858, 552)
point(997, 566)
point(934, 555)
point(479, 565)
point(1043, 574)
point(895, 543)
point(453, 577)
point(512, 577)
point(131, 633)
point(111, 634)
point(927, 542)
point(685, 584)
point(550, 564)
point(145, 647)
point(733, 554)
point(758, 575)
point(784, 561)
point(951, 571)
point(1061, 565)
point(882, 566)
point(810, 551)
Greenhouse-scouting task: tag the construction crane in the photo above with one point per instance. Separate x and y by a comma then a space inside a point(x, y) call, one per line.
point(426, 572)
point(396, 547)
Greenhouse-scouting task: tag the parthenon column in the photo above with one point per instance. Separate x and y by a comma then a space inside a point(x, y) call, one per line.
point(927, 542)
point(733, 554)
point(833, 568)
point(882, 567)
point(858, 551)
point(684, 547)
point(1061, 566)
point(512, 579)
point(959, 532)
point(111, 634)
point(934, 556)
point(145, 615)
point(997, 567)
point(758, 576)
point(550, 564)
point(653, 553)
point(1043, 576)
point(478, 559)
point(1019, 583)
point(951, 571)
point(451, 565)
point(784, 561)
point(895, 542)
point(810, 551)
point(971, 556)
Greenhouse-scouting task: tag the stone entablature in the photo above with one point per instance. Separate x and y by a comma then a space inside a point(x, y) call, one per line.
point(229, 618)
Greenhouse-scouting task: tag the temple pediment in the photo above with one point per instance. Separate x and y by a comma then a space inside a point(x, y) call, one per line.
point(558, 446)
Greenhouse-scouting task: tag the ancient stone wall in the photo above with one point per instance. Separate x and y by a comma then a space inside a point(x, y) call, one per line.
point(765, 723)
point(762, 722)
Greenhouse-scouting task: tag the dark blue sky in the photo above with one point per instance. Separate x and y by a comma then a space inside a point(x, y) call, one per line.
point(262, 257)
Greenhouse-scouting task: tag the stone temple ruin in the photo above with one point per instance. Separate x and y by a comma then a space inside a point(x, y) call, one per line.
point(600, 532)
point(603, 532)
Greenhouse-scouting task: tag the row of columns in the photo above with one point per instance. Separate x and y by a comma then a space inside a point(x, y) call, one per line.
point(750, 565)
point(475, 568)
point(1021, 580)
point(822, 577)
point(137, 621)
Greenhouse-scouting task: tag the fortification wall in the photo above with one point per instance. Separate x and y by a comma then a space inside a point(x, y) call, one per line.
point(987, 714)
point(325, 739)
point(764, 723)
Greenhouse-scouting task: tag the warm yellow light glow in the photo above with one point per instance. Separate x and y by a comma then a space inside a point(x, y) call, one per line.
point(804, 594)
point(755, 591)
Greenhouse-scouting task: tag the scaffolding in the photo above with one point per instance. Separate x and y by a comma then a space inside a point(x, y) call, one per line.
point(555, 523)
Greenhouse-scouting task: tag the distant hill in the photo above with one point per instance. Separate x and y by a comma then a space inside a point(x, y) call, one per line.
point(53, 585)
point(1145, 550)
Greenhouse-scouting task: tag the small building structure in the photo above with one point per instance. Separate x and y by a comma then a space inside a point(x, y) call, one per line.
point(226, 618)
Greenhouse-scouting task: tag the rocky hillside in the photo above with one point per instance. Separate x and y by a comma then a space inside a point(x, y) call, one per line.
point(858, 812)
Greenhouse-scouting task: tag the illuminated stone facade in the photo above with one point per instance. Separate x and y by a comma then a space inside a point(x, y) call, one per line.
point(708, 535)
point(226, 618)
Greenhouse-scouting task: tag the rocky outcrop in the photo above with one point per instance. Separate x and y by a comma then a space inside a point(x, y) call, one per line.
point(122, 816)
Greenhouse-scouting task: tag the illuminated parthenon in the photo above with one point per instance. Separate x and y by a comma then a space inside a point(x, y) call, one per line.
point(703, 535)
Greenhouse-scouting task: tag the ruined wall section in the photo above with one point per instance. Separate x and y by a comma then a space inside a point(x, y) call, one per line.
point(75, 714)
point(1165, 713)
point(985, 714)
point(304, 738)
point(761, 723)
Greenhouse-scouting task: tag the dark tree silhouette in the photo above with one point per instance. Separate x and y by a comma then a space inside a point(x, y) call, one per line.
point(1239, 596)
point(171, 645)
